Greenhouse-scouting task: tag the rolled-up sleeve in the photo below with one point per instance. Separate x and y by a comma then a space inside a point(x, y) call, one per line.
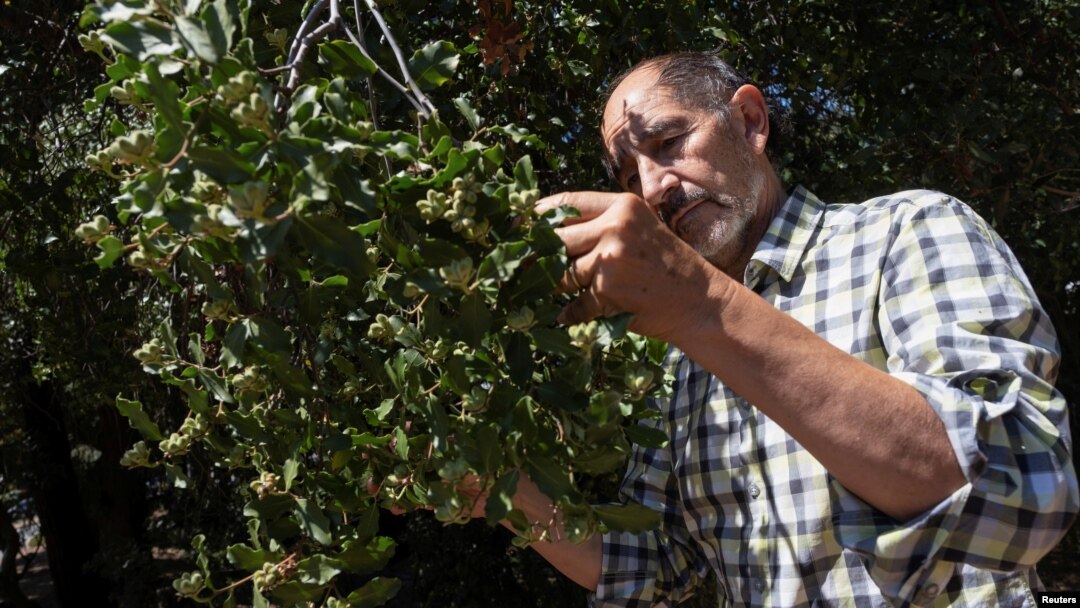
point(961, 325)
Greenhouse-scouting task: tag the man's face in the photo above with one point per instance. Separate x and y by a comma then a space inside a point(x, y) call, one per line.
point(697, 173)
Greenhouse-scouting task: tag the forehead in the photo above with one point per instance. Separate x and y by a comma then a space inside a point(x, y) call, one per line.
point(636, 109)
point(632, 100)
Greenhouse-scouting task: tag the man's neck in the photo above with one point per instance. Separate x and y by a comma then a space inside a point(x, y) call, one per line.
point(769, 203)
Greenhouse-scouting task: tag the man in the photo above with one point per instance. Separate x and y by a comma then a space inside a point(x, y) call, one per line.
point(863, 411)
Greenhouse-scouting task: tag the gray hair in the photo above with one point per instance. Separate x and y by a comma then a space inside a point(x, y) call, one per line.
point(702, 81)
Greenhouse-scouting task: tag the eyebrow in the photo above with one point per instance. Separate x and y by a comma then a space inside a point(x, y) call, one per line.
point(662, 126)
point(651, 131)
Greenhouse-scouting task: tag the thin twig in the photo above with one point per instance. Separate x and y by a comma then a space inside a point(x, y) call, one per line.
point(305, 46)
point(308, 22)
point(298, 50)
point(373, 105)
point(378, 70)
point(402, 64)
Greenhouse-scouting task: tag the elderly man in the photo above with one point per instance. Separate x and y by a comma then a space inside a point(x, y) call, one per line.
point(863, 411)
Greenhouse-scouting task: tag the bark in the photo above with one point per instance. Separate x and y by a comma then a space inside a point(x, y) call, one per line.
point(10, 592)
point(71, 540)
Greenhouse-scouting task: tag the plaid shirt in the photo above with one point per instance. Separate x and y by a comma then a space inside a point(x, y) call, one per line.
point(915, 284)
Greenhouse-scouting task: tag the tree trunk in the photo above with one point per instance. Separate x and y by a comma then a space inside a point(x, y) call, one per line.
point(10, 592)
point(71, 540)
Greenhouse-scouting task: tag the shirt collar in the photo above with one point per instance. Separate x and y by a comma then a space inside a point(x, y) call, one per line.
point(787, 238)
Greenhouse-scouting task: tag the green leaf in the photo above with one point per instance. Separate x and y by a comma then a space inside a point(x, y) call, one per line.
point(539, 279)
point(981, 154)
point(219, 19)
point(195, 348)
point(503, 260)
point(550, 477)
point(604, 459)
point(376, 592)
point(524, 174)
point(560, 394)
point(361, 559)
point(343, 58)
point(475, 320)
point(215, 385)
point(317, 569)
point(647, 436)
point(141, 39)
point(519, 360)
point(499, 498)
point(468, 112)
point(197, 39)
point(111, 249)
point(295, 593)
point(612, 328)
point(434, 65)
point(313, 521)
point(224, 166)
point(401, 444)
point(197, 399)
point(232, 346)
point(269, 336)
point(487, 448)
point(269, 507)
point(261, 242)
point(289, 472)
point(633, 517)
point(438, 422)
point(332, 242)
point(248, 558)
point(137, 418)
point(258, 600)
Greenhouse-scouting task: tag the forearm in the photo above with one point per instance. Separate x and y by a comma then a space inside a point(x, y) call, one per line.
point(578, 562)
point(874, 433)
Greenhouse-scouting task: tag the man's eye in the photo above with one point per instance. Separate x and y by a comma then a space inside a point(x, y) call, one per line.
point(667, 143)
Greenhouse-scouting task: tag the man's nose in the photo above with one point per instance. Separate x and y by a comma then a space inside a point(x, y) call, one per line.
point(658, 181)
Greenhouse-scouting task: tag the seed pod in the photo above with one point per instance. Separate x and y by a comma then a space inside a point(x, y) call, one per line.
point(137, 456)
point(458, 273)
point(521, 319)
point(239, 87)
point(584, 335)
point(134, 148)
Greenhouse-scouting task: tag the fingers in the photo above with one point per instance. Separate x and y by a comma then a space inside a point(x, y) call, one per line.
point(583, 308)
point(588, 304)
point(589, 204)
point(610, 225)
point(573, 280)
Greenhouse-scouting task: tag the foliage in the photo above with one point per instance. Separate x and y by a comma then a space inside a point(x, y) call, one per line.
point(367, 314)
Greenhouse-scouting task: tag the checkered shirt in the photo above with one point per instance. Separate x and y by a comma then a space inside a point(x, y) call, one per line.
point(915, 284)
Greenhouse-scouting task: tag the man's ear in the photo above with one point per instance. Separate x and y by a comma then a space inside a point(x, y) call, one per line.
point(749, 103)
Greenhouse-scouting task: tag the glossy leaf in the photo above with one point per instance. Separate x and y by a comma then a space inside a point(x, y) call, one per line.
point(434, 65)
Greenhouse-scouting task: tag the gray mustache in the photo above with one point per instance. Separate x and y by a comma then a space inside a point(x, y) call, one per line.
point(669, 209)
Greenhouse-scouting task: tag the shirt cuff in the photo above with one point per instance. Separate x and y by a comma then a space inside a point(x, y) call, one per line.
point(903, 559)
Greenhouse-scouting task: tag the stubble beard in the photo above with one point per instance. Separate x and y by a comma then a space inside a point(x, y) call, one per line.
point(720, 240)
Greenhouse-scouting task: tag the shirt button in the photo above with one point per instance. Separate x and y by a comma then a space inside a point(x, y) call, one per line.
point(755, 491)
point(931, 591)
point(759, 585)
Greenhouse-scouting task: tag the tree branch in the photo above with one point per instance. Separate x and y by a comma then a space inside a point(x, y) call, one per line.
point(378, 70)
point(402, 63)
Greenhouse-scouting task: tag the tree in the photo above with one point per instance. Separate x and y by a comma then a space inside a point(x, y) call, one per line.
point(366, 294)
point(62, 361)
point(979, 101)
